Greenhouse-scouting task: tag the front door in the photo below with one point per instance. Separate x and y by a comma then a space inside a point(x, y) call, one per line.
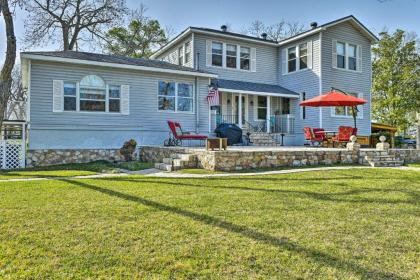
point(244, 109)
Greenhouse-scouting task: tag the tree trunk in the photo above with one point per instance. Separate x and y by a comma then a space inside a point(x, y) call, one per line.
point(9, 62)
point(66, 44)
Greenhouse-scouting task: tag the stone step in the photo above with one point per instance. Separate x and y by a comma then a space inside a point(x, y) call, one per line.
point(163, 166)
point(389, 163)
point(167, 160)
point(185, 157)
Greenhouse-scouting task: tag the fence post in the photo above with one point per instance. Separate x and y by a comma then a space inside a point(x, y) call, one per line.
point(23, 146)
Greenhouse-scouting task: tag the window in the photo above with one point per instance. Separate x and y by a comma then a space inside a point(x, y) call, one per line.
point(114, 95)
point(187, 48)
point(262, 107)
point(303, 56)
point(70, 98)
point(285, 110)
point(180, 55)
point(346, 111)
point(175, 97)
point(245, 58)
point(231, 56)
point(216, 54)
point(341, 55)
point(185, 98)
point(291, 59)
point(92, 94)
point(352, 57)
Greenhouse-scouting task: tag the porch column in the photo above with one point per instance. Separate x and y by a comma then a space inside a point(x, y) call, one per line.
point(268, 113)
point(240, 110)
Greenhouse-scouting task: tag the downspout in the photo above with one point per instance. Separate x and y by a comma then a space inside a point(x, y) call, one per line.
point(197, 119)
point(320, 77)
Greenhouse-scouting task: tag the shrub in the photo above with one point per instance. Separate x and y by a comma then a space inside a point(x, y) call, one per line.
point(128, 149)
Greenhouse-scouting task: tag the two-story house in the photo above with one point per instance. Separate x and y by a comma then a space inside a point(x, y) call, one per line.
point(83, 100)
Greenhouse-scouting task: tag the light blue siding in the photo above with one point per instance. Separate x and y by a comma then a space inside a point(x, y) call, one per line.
point(350, 81)
point(144, 119)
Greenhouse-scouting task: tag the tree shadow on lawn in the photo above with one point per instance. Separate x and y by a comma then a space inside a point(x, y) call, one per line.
point(333, 197)
point(282, 243)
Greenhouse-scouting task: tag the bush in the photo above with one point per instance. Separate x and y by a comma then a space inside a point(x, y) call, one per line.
point(128, 149)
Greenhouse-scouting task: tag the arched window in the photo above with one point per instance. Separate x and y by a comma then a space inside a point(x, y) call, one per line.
point(92, 94)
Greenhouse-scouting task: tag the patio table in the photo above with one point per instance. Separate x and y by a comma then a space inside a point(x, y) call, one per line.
point(330, 134)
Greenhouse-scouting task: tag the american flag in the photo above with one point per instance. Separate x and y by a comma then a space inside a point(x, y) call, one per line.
point(213, 97)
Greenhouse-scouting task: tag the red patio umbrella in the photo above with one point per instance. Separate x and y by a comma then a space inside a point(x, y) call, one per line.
point(332, 99)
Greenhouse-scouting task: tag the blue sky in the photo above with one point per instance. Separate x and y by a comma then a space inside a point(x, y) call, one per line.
point(375, 15)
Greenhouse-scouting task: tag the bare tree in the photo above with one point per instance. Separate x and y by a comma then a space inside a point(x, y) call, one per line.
point(17, 99)
point(9, 62)
point(74, 20)
point(276, 31)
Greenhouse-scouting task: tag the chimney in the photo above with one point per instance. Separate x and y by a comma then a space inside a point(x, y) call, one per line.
point(314, 25)
point(264, 36)
point(224, 28)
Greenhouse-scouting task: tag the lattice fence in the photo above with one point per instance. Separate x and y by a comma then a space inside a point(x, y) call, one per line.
point(12, 154)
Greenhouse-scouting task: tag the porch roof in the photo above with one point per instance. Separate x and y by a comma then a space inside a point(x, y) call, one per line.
point(254, 88)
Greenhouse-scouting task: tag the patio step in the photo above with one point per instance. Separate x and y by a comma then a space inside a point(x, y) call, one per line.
point(176, 162)
point(262, 139)
point(383, 161)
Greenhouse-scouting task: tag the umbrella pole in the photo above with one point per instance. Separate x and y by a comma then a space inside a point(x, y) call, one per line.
point(354, 115)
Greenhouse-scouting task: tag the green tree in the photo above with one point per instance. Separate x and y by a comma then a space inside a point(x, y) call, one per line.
point(396, 79)
point(138, 39)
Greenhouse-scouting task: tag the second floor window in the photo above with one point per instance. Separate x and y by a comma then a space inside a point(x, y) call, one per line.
point(245, 58)
point(180, 56)
point(217, 54)
point(231, 56)
point(187, 48)
point(303, 56)
point(291, 59)
point(341, 55)
point(352, 56)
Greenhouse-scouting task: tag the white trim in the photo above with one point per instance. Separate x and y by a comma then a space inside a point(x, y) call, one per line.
point(114, 65)
point(258, 93)
point(298, 37)
point(297, 58)
point(359, 60)
point(320, 78)
point(28, 106)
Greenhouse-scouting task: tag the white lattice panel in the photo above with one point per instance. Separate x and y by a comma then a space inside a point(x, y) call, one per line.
point(11, 154)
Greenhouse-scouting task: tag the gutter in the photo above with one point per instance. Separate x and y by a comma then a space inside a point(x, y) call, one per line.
point(114, 65)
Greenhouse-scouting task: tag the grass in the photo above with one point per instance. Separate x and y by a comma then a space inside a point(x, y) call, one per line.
point(341, 224)
point(69, 170)
point(414, 164)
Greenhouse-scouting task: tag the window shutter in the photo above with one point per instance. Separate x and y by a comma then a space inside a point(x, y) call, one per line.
point(284, 61)
point(334, 53)
point(125, 99)
point(309, 46)
point(253, 59)
point(208, 53)
point(58, 96)
point(359, 58)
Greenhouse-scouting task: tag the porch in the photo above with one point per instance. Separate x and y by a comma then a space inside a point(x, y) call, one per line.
point(256, 108)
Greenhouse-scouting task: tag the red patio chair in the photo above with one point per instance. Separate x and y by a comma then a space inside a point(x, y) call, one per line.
point(344, 133)
point(311, 137)
point(179, 135)
point(321, 133)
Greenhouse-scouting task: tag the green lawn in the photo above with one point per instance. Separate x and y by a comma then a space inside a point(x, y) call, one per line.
point(342, 224)
point(415, 164)
point(68, 170)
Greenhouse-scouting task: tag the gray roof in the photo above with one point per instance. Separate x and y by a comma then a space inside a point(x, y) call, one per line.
point(248, 86)
point(116, 59)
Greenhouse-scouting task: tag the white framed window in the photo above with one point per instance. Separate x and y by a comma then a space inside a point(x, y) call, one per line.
point(231, 56)
point(303, 56)
point(347, 111)
point(347, 56)
point(187, 50)
point(245, 55)
point(217, 54)
point(91, 94)
point(70, 96)
point(262, 107)
point(175, 97)
point(114, 98)
point(181, 55)
point(291, 59)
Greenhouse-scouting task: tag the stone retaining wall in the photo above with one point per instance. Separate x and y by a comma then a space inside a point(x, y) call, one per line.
point(155, 154)
point(406, 155)
point(51, 157)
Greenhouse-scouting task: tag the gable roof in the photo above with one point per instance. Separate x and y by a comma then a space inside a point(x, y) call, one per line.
point(116, 61)
point(254, 88)
point(248, 38)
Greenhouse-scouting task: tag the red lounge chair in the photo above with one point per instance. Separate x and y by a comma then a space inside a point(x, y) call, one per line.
point(179, 135)
point(344, 133)
point(311, 137)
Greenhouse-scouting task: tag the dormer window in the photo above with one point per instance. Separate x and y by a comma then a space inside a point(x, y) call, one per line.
point(217, 54)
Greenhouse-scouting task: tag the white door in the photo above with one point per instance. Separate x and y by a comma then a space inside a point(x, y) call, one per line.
point(235, 108)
